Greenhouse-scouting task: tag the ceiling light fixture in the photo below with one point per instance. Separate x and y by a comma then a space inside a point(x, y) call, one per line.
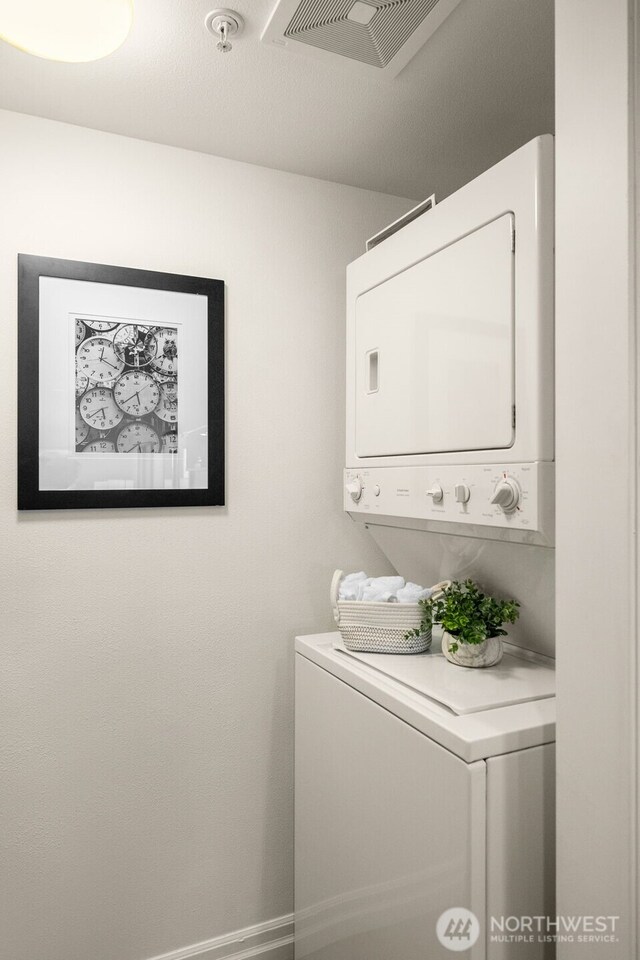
point(223, 24)
point(73, 31)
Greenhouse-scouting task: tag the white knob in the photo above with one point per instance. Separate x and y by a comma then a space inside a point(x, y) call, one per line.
point(506, 495)
point(376, 490)
point(354, 489)
point(436, 493)
point(462, 492)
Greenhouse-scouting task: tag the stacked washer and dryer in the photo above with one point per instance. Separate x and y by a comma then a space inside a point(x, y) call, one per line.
point(423, 787)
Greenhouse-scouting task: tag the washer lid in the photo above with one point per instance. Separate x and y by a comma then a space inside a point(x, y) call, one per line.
point(473, 713)
point(463, 690)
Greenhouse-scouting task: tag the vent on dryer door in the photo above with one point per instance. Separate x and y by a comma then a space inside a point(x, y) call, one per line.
point(375, 34)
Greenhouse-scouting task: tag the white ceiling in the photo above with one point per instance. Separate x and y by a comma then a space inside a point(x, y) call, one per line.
point(481, 86)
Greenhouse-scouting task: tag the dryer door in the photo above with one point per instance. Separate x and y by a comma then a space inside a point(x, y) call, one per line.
point(435, 351)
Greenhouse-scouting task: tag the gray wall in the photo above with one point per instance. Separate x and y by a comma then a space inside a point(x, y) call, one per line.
point(146, 674)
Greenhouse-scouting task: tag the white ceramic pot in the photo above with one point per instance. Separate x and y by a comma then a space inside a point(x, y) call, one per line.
point(485, 654)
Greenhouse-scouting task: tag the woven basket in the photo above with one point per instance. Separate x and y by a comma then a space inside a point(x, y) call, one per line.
point(369, 627)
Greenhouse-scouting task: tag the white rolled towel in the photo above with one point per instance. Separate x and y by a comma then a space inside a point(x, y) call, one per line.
point(392, 584)
point(358, 586)
point(351, 586)
point(382, 589)
point(413, 592)
point(374, 594)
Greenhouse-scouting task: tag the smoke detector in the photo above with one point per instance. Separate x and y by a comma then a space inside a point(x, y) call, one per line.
point(378, 36)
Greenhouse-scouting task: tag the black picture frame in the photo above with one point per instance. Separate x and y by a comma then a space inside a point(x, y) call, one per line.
point(29, 495)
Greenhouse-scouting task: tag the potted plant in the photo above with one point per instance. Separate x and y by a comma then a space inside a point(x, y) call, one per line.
point(472, 623)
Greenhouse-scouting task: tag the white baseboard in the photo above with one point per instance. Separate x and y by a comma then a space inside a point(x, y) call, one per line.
point(272, 940)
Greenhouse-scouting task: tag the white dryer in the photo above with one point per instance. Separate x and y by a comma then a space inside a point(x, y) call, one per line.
point(449, 370)
point(420, 787)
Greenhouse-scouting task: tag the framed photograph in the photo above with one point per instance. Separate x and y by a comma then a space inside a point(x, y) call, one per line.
point(120, 387)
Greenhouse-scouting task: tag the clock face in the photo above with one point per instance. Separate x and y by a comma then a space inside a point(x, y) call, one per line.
point(80, 332)
point(170, 388)
point(82, 383)
point(167, 408)
point(97, 360)
point(136, 393)
point(100, 446)
point(99, 409)
point(101, 326)
point(170, 443)
point(134, 344)
point(138, 437)
point(82, 429)
point(166, 358)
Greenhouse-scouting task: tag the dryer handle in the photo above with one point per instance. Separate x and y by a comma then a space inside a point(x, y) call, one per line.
point(333, 594)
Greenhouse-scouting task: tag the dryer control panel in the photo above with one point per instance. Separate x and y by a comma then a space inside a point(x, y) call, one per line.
point(508, 499)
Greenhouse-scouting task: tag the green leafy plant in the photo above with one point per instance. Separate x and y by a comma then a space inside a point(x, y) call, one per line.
point(467, 614)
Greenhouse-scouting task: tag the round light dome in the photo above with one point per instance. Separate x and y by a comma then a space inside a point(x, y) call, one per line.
point(74, 31)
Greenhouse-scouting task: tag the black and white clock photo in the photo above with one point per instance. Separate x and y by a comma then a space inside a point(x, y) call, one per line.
point(121, 387)
point(126, 387)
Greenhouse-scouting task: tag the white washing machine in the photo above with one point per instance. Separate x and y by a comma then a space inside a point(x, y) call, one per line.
point(420, 787)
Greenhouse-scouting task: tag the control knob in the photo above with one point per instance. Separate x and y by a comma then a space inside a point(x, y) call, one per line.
point(462, 493)
point(506, 495)
point(436, 493)
point(355, 488)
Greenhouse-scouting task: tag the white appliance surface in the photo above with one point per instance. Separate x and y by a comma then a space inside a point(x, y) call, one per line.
point(473, 713)
point(450, 362)
point(405, 810)
point(428, 498)
point(513, 680)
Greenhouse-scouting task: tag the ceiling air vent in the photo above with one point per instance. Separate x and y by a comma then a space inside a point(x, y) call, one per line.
point(381, 35)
